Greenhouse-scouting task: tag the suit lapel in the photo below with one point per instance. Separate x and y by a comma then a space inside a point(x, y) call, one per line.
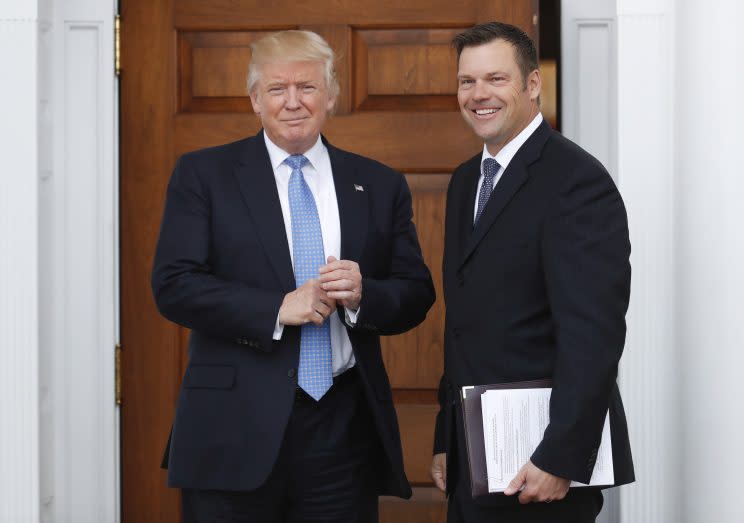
point(465, 216)
point(255, 178)
point(353, 203)
point(515, 175)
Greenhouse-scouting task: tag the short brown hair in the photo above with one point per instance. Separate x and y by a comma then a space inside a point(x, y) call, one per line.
point(524, 47)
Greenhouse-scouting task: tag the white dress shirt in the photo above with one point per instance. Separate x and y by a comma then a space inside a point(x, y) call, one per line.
point(505, 155)
point(319, 178)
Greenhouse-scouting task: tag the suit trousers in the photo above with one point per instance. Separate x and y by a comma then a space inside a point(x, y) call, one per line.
point(326, 471)
point(581, 505)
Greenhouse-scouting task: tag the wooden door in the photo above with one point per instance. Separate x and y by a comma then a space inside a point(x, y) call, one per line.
point(184, 64)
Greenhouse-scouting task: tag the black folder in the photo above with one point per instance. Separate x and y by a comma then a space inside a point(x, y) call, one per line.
point(473, 424)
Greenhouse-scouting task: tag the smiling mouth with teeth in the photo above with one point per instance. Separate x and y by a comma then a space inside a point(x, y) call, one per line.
point(482, 112)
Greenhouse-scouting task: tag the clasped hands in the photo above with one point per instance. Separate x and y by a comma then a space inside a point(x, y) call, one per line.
point(532, 483)
point(339, 283)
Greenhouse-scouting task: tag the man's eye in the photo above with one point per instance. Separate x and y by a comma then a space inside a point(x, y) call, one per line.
point(276, 90)
point(497, 78)
point(308, 88)
point(466, 82)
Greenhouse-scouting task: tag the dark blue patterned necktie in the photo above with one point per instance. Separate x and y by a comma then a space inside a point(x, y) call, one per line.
point(315, 372)
point(490, 168)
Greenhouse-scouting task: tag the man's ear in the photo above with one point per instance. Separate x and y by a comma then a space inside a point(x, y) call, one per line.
point(331, 104)
point(534, 84)
point(255, 102)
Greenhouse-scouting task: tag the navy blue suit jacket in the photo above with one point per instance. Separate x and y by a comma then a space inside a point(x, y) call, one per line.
point(539, 289)
point(222, 268)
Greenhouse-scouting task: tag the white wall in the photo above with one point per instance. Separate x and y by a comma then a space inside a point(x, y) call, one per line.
point(614, 53)
point(58, 258)
point(677, 81)
point(19, 283)
point(651, 367)
point(709, 257)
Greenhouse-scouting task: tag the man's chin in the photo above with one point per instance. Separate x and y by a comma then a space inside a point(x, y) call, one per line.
point(299, 144)
point(487, 135)
point(482, 129)
point(293, 124)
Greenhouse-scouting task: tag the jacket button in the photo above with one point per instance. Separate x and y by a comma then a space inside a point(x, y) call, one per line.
point(456, 333)
point(291, 373)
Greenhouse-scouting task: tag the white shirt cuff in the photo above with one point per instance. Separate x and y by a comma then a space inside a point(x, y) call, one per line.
point(351, 316)
point(278, 330)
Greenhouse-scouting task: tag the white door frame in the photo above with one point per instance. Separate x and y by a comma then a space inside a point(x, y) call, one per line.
point(617, 85)
point(78, 262)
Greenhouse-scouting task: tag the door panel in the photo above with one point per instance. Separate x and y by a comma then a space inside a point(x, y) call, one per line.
point(184, 65)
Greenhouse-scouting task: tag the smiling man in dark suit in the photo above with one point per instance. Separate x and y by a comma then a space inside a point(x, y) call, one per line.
point(536, 283)
point(287, 258)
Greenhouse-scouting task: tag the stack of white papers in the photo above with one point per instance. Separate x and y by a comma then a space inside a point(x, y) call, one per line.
point(514, 421)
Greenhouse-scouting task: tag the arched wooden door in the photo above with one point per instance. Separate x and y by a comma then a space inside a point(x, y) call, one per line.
point(183, 87)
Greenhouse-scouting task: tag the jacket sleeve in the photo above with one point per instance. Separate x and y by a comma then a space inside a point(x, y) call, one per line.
point(585, 250)
point(400, 301)
point(185, 288)
point(443, 424)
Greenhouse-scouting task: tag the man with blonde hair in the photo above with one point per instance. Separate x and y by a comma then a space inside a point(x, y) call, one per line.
point(287, 258)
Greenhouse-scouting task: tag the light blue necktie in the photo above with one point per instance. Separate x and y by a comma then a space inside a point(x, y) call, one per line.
point(490, 168)
point(315, 373)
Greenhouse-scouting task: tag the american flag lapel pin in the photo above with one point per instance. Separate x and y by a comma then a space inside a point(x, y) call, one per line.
point(358, 188)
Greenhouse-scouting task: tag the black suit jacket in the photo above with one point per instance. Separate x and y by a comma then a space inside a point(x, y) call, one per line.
point(539, 289)
point(222, 269)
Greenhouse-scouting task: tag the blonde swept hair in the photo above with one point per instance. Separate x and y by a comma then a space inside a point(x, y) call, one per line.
point(292, 46)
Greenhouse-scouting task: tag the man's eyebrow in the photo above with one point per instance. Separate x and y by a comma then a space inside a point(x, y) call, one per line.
point(489, 73)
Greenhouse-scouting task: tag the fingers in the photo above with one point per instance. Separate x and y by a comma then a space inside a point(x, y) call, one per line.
point(320, 308)
point(340, 284)
point(537, 485)
point(306, 304)
point(439, 471)
point(333, 264)
point(346, 298)
point(339, 270)
point(515, 485)
point(528, 495)
point(342, 290)
point(342, 280)
point(439, 481)
point(317, 318)
point(322, 311)
point(539, 495)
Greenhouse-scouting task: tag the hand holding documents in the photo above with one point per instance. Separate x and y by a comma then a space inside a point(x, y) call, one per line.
point(504, 424)
point(514, 421)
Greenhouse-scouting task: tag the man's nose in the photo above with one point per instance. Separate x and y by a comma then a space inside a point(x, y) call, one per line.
point(293, 98)
point(479, 91)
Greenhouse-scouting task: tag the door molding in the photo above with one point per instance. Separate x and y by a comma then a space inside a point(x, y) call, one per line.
point(608, 45)
point(78, 261)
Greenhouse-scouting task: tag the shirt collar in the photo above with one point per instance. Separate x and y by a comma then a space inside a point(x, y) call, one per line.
point(505, 155)
point(277, 155)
